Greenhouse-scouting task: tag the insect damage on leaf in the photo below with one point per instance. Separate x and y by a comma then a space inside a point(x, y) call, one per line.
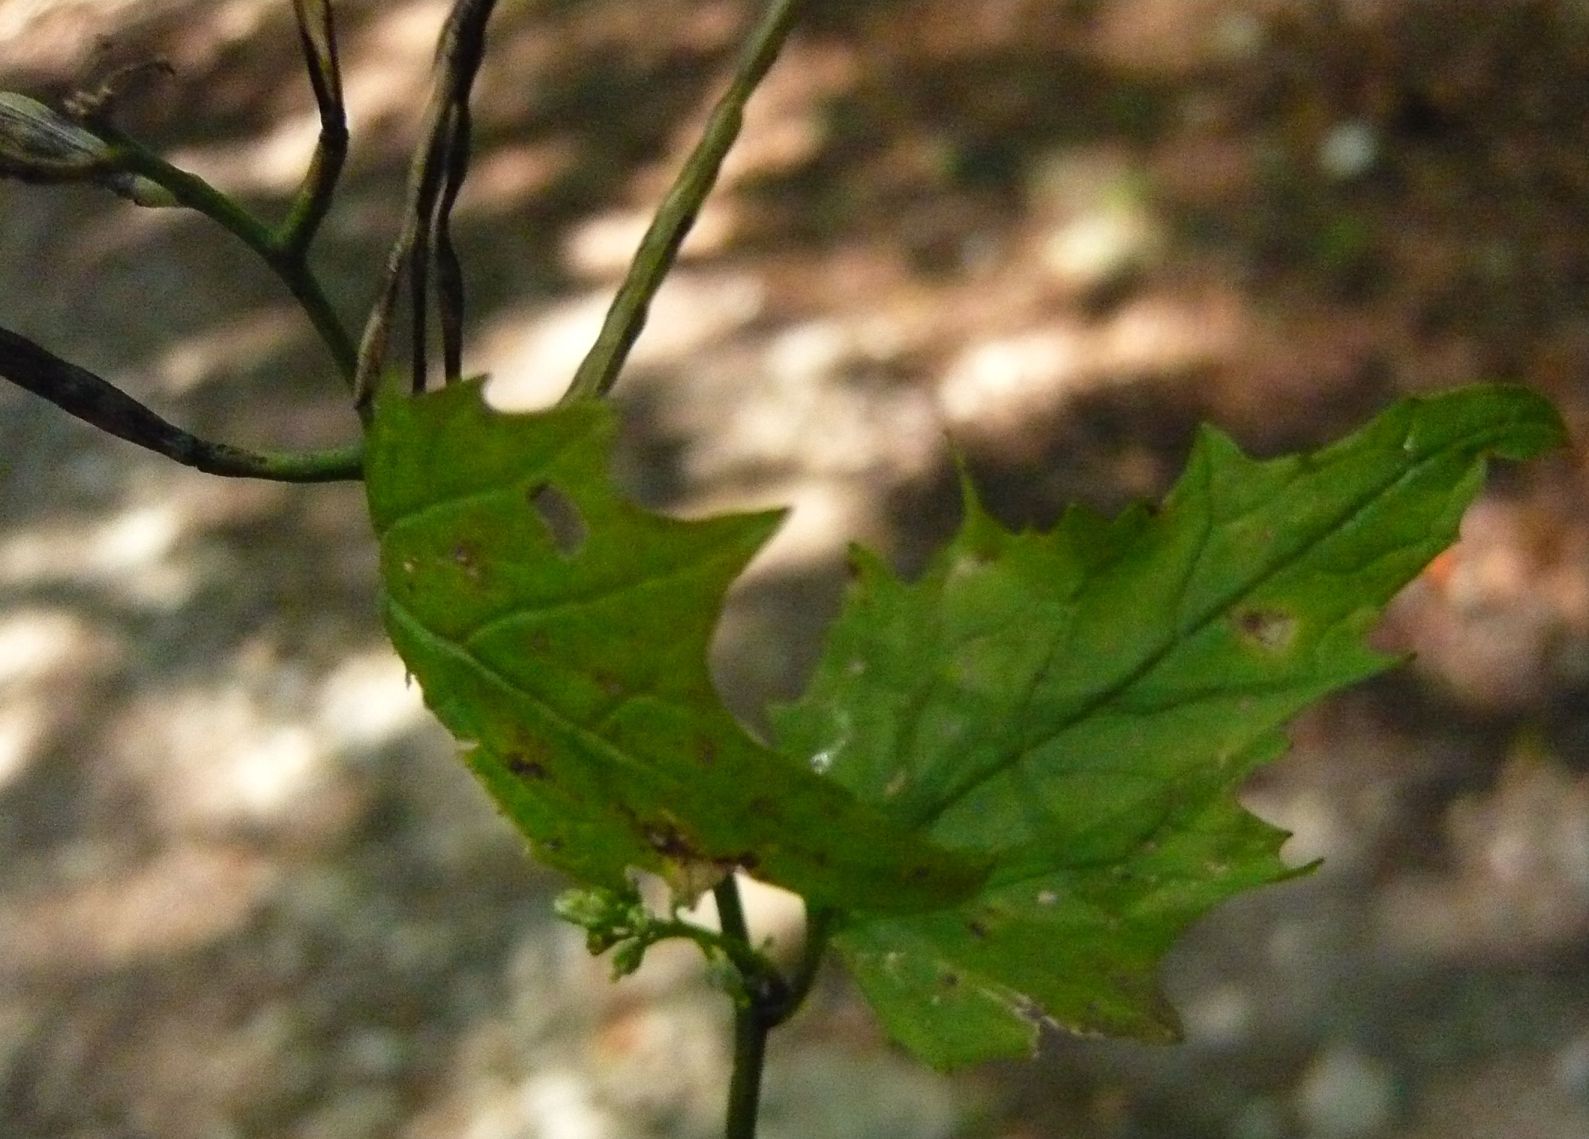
point(561, 518)
point(563, 631)
point(1268, 630)
point(1080, 707)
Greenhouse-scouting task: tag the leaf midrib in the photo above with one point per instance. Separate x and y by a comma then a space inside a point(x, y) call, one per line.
point(1154, 659)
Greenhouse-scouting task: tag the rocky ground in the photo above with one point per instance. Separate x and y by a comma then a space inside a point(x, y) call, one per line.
point(247, 891)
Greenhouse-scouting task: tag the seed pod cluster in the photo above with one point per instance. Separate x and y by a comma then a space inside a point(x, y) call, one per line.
point(41, 145)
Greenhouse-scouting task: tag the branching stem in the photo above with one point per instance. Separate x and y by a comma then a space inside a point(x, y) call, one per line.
point(282, 253)
point(766, 1000)
point(318, 37)
point(435, 177)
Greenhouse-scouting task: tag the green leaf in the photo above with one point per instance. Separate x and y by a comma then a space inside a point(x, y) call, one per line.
point(563, 631)
point(1081, 706)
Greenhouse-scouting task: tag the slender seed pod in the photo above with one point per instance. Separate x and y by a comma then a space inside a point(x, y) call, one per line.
point(41, 145)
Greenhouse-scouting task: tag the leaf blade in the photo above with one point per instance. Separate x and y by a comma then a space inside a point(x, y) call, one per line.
point(1081, 706)
point(562, 632)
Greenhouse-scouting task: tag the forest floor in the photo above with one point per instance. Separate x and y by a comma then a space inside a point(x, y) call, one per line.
point(247, 891)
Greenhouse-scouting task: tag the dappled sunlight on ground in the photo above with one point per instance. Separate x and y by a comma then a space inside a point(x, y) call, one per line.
point(246, 889)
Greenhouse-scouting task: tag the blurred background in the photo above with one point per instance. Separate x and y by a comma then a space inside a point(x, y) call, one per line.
point(245, 888)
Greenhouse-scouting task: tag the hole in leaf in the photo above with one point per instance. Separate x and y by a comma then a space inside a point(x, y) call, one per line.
point(561, 517)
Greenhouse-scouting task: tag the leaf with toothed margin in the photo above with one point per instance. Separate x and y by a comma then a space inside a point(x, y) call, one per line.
point(1079, 707)
point(562, 632)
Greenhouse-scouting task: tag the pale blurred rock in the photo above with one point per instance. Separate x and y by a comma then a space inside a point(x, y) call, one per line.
point(1346, 1094)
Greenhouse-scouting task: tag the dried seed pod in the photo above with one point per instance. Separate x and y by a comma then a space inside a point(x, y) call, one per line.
point(41, 145)
point(38, 144)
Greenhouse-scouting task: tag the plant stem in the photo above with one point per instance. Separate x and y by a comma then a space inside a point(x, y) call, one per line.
point(98, 402)
point(819, 926)
point(744, 1086)
point(317, 35)
point(285, 258)
point(766, 1001)
point(435, 177)
point(730, 910)
point(660, 247)
point(751, 1022)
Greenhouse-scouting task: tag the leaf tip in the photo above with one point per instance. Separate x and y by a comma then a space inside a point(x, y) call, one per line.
point(1506, 420)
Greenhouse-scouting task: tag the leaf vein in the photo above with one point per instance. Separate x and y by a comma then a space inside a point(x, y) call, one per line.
point(1156, 657)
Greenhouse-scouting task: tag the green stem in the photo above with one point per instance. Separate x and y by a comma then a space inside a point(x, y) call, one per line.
point(286, 259)
point(752, 1022)
point(334, 464)
point(819, 927)
point(659, 248)
point(749, 964)
point(769, 1000)
point(731, 911)
point(744, 1086)
point(98, 402)
point(317, 34)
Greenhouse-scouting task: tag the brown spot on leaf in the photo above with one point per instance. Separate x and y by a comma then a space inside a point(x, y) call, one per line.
point(669, 841)
point(1272, 630)
point(524, 767)
point(467, 558)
